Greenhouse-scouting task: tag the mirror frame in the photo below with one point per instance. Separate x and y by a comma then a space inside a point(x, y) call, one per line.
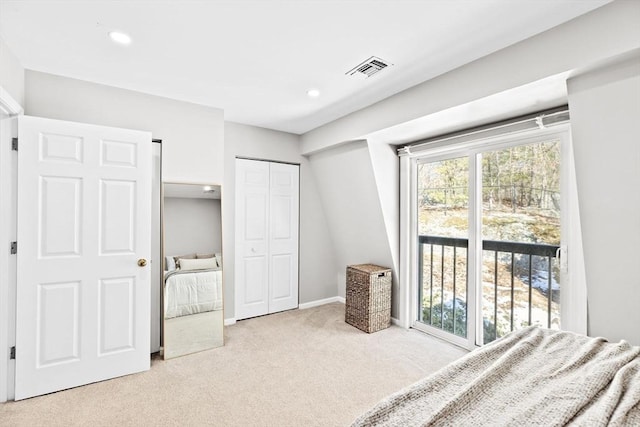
point(163, 263)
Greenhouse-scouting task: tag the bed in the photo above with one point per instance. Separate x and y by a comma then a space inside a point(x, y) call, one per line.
point(193, 305)
point(533, 376)
point(192, 292)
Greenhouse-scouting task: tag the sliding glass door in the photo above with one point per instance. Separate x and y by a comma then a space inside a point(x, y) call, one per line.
point(489, 239)
point(443, 236)
point(521, 211)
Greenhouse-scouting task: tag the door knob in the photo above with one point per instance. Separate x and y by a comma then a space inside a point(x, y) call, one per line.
point(142, 262)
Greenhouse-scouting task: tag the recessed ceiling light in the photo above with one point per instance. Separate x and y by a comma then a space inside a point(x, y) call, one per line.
point(313, 93)
point(119, 37)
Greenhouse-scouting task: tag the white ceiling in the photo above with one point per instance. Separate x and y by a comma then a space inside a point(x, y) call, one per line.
point(256, 59)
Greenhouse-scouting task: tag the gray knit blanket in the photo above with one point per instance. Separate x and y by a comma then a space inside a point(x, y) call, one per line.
point(531, 377)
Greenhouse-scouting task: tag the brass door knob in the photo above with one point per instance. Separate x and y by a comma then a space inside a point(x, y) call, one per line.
point(142, 262)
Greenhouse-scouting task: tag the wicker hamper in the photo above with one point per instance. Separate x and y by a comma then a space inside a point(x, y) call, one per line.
point(368, 302)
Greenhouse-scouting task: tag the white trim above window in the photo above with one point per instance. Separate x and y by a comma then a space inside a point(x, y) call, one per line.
point(526, 124)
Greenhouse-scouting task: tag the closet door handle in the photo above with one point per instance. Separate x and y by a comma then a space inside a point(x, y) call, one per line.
point(142, 262)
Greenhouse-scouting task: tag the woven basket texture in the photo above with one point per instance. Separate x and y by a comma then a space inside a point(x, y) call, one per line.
point(368, 297)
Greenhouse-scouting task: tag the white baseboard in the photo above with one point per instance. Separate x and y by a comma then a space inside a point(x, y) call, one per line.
point(316, 303)
point(320, 302)
point(232, 320)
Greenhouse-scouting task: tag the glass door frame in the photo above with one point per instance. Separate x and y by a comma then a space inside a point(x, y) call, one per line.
point(473, 230)
point(573, 317)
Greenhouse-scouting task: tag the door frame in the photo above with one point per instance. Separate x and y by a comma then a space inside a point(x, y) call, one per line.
point(574, 318)
point(156, 251)
point(9, 109)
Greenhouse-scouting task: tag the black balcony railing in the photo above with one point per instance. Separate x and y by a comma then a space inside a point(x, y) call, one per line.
point(527, 267)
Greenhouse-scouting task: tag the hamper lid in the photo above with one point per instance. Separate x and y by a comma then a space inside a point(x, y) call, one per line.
point(369, 268)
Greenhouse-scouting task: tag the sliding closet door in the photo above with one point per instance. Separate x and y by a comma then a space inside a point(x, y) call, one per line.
point(84, 203)
point(283, 237)
point(252, 214)
point(267, 211)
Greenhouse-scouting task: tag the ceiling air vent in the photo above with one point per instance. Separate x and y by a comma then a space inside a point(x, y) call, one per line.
point(369, 67)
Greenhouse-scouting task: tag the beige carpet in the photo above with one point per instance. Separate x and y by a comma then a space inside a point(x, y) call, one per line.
point(297, 368)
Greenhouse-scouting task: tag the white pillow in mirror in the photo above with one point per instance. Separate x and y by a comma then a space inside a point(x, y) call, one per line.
point(198, 264)
point(169, 263)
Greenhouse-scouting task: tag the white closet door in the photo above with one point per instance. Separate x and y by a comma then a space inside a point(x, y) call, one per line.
point(267, 217)
point(252, 244)
point(84, 208)
point(283, 237)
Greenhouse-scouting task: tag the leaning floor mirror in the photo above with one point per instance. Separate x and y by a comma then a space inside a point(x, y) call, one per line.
point(193, 317)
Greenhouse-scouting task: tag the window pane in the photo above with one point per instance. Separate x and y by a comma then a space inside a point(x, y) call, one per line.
point(520, 234)
point(443, 219)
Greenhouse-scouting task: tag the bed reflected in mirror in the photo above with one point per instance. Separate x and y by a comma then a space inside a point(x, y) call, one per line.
point(193, 317)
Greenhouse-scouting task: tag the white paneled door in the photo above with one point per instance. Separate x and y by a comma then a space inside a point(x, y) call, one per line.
point(84, 208)
point(252, 238)
point(283, 237)
point(267, 216)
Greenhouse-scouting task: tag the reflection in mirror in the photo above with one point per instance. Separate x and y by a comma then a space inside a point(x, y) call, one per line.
point(192, 288)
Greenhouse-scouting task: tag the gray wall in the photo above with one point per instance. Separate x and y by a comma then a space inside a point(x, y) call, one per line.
point(605, 118)
point(350, 195)
point(586, 41)
point(11, 74)
point(192, 226)
point(198, 148)
point(573, 46)
point(192, 135)
point(317, 259)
